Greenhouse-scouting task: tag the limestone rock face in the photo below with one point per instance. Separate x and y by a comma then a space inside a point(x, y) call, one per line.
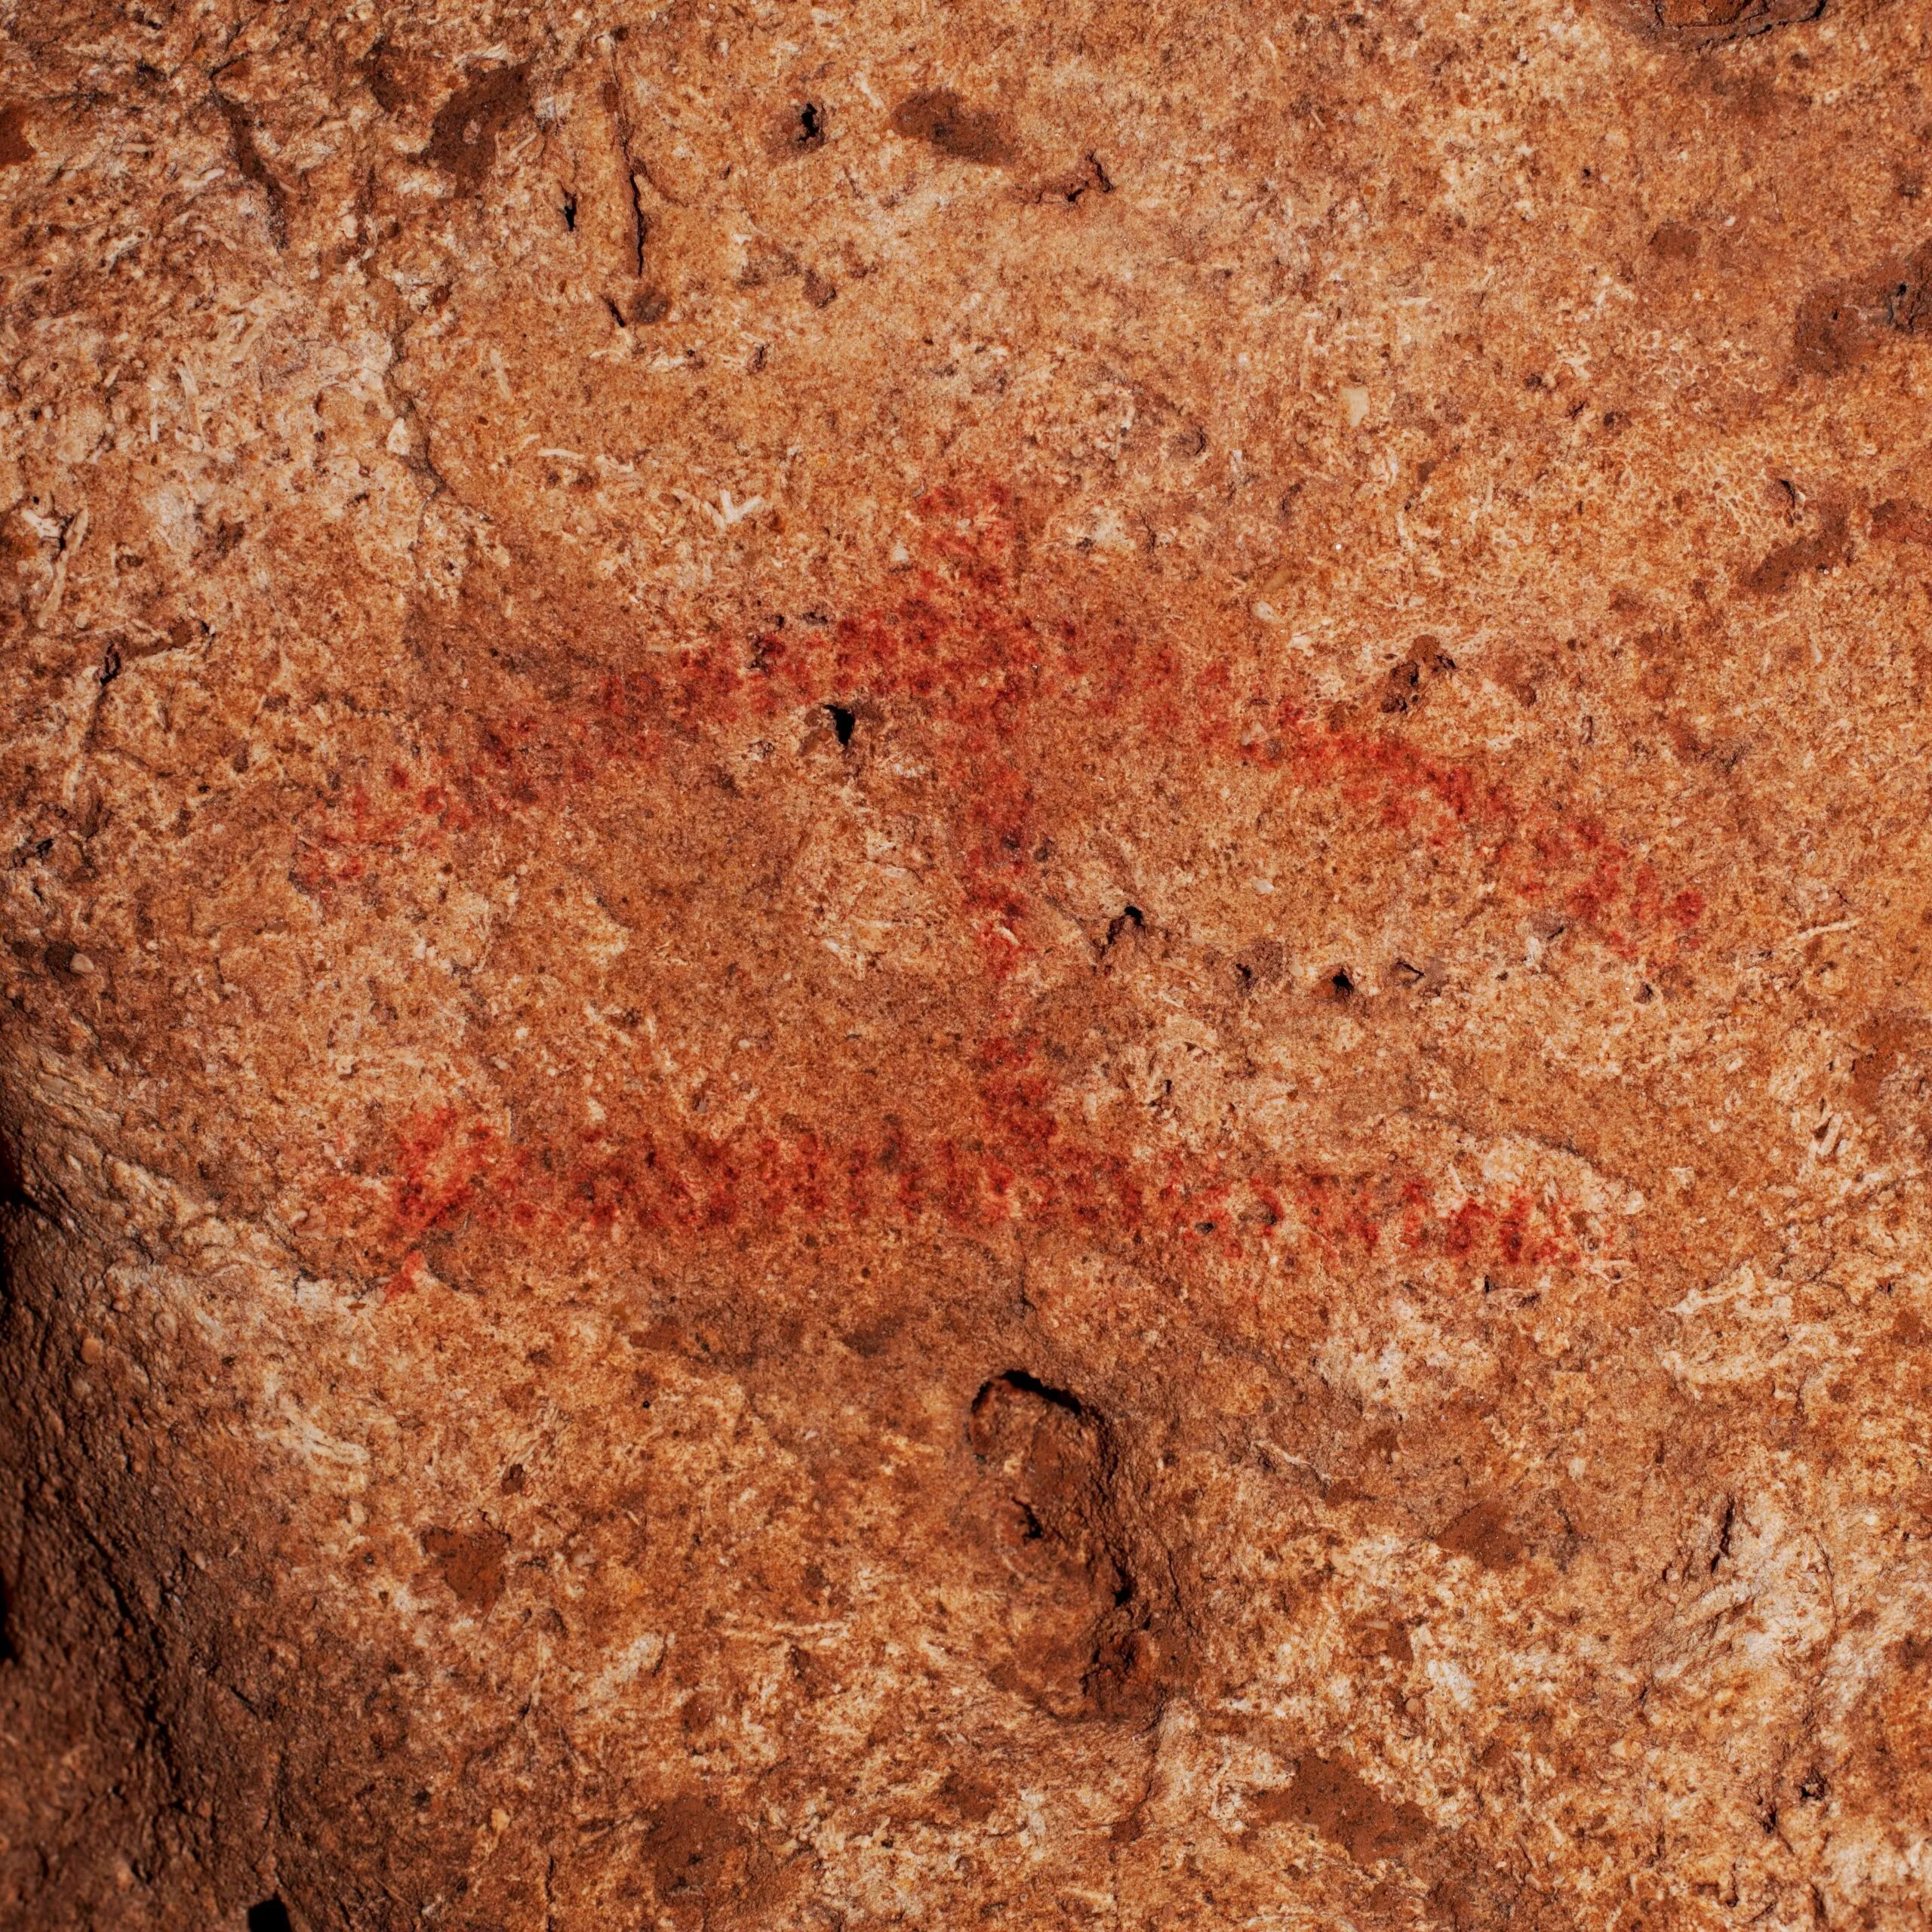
point(965, 966)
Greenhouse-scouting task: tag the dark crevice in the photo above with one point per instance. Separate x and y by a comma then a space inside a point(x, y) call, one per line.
point(570, 213)
point(1091, 176)
point(845, 721)
point(640, 225)
point(1711, 23)
point(13, 1182)
point(613, 103)
point(1019, 1380)
point(1128, 915)
point(811, 126)
point(254, 170)
point(270, 1915)
point(1724, 1533)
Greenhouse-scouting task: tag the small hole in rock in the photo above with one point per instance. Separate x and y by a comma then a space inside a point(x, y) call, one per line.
point(811, 125)
point(570, 213)
point(271, 1915)
point(844, 721)
point(1340, 984)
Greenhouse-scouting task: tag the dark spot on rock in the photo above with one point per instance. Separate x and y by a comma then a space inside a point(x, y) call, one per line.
point(938, 116)
point(1405, 686)
point(1675, 241)
point(1896, 522)
point(471, 1561)
point(1750, 94)
point(811, 127)
point(1482, 1532)
point(1890, 1038)
point(765, 265)
point(463, 138)
point(1410, 678)
point(14, 146)
point(270, 1915)
point(384, 70)
point(819, 292)
point(1333, 1801)
point(514, 1479)
point(222, 541)
point(968, 1799)
point(813, 1678)
point(1820, 550)
point(1261, 964)
point(694, 1849)
point(1840, 323)
point(649, 306)
point(844, 721)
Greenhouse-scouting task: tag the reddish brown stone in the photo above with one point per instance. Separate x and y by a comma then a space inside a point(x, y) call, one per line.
point(963, 967)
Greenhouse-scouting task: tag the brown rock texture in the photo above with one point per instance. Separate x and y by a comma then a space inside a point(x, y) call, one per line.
point(965, 966)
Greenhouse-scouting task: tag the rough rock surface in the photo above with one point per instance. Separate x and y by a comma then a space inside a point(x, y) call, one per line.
point(965, 966)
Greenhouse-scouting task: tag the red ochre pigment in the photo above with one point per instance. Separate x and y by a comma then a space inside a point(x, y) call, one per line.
point(985, 684)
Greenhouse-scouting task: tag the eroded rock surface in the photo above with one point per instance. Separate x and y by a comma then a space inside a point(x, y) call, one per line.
point(965, 966)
